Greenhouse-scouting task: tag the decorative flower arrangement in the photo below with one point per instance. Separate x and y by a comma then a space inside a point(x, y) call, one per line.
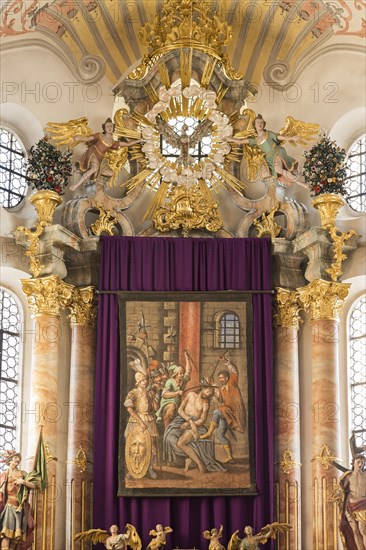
point(48, 168)
point(222, 131)
point(325, 168)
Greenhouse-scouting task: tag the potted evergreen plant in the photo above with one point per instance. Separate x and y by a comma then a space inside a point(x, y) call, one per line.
point(325, 172)
point(48, 170)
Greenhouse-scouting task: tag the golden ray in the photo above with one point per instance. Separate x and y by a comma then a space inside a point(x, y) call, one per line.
point(141, 119)
point(207, 71)
point(234, 117)
point(157, 201)
point(215, 183)
point(204, 188)
point(152, 93)
point(137, 179)
point(186, 67)
point(196, 107)
point(231, 180)
point(221, 92)
point(164, 75)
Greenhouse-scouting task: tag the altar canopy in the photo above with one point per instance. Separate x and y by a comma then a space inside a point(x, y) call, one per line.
point(178, 264)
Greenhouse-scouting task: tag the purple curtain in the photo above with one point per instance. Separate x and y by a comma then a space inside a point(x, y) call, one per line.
point(178, 264)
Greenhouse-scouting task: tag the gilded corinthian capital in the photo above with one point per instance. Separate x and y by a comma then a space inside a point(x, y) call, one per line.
point(47, 295)
point(287, 308)
point(83, 309)
point(323, 299)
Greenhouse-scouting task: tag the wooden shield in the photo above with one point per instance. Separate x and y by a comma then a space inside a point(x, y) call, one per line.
point(138, 452)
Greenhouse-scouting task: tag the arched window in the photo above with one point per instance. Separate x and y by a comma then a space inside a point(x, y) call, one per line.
point(10, 369)
point(356, 175)
point(357, 369)
point(227, 330)
point(13, 185)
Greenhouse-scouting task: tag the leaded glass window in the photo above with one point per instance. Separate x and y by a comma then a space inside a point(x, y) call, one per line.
point(356, 175)
point(13, 185)
point(357, 371)
point(200, 150)
point(10, 369)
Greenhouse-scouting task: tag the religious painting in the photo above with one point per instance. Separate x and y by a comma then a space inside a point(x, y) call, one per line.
point(186, 394)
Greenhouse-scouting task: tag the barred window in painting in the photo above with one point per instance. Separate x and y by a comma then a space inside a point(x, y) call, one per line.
point(227, 333)
point(357, 370)
point(356, 175)
point(13, 185)
point(10, 369)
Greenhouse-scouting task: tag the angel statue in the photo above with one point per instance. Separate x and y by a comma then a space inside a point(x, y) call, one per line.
point(114, 540)
point(251, 541)
point(101, 145)
point(263, 150)
point(159, 537)
point(183, 141)
point(214, 537)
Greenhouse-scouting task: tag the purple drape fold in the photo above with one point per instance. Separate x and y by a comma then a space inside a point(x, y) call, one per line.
point(178, 264)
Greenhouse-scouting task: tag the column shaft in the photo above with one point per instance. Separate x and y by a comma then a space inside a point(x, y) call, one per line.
point(80, 432)
point(326, 432)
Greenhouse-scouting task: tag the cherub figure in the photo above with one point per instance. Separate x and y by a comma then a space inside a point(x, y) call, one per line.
point(114, 540)
point(252, 541)
point(214, 537)
point(101, 145)
point(159, 537)
point(264, 152)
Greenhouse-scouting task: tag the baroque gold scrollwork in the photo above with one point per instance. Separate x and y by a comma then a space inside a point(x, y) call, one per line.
point(105, 223)
point(325, 457)
point(324, 299)
point(185, 23)
point(288, 462)
point(45, 203)
point(287, 308)
point(83, 309)
point(338, 238)
point(266, 225)
point(188, 208)
point(47, 295)
point(81, 460)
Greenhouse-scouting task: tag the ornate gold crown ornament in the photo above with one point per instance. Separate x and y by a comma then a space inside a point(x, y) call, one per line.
point(185, 24)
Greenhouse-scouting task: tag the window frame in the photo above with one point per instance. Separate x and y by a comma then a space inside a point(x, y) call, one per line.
point(352, 308)
point(360, 175)
point(15, 136)
point(19, 416)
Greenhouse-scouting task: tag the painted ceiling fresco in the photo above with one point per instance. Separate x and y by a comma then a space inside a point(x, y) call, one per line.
point(271, 39)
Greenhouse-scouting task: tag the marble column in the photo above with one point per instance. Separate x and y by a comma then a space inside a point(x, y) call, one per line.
point(46, 297)
point(324, 302)
point(80, 425)
point(287, 416)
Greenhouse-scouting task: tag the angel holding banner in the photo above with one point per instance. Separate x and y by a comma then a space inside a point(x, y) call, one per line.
point(16, 517)
point(114, 540)
point(252, 541)
point(101, 146)
point(263, 150)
